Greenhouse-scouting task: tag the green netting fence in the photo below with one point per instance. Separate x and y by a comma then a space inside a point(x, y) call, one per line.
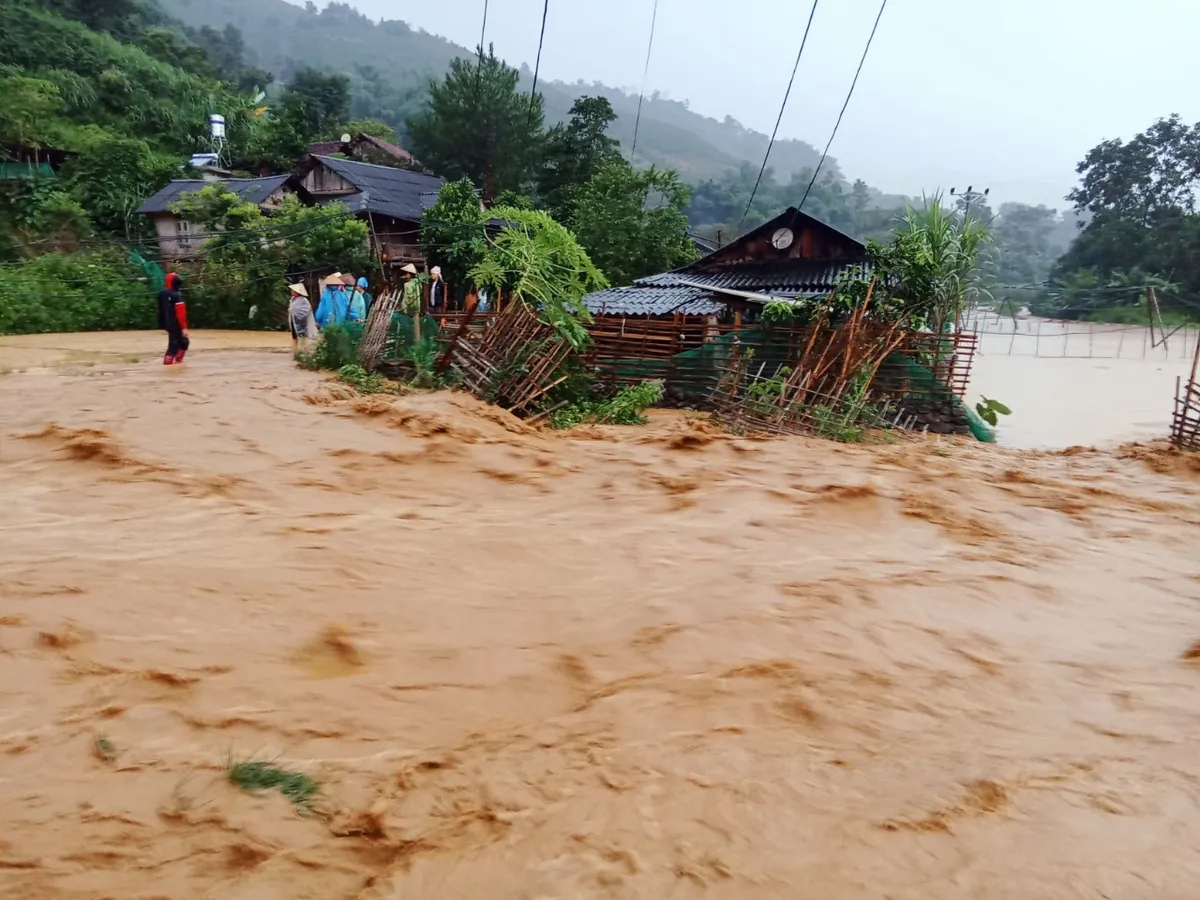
point(906, 375)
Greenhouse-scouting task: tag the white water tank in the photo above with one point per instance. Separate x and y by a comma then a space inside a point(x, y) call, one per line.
point(216, 126)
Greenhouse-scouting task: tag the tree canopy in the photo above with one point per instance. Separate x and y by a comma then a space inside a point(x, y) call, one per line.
point(575, 151)
point(631, 223)
point(1141, 199)
point(478, 125)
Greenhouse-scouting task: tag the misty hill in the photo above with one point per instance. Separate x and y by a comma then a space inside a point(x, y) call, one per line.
point(390, 64)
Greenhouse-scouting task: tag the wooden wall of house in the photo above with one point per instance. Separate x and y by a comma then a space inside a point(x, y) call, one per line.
point(323, 181)
point(399, 240)
point(811, 240)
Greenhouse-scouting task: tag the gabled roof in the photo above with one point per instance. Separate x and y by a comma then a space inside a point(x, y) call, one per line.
point(387, 191)
point(695, 288)
point(328, 148)
point(325, 148)
point(387, 147)
point(842, 244)
point(254, 190)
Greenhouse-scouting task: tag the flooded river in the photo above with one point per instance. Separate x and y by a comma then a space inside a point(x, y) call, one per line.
point(462, 658)
point(1073, 383)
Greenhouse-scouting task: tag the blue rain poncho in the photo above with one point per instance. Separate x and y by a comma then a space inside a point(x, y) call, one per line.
point(331, 310)
point(360, 302)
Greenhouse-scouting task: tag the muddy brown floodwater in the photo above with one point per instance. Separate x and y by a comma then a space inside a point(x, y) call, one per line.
point(631, 663)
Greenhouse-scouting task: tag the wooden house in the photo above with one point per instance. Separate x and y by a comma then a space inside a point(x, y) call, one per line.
point(793, 255)
point(391, 201)
point(180, 239)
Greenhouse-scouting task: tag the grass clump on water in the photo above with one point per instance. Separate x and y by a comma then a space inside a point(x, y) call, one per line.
point(254, 775)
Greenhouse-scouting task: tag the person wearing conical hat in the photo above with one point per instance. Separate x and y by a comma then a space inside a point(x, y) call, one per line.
point(410, 299)
point(299, 313)
point(331, 310)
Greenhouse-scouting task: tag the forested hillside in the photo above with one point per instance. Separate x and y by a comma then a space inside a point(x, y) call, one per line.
point(390, 65)
point(119, 92)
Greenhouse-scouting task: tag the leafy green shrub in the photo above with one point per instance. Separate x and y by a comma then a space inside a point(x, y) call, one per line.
point(333, 351)
point(366, 383)
point(989, 410)
point(90, 291)
point(627, 407)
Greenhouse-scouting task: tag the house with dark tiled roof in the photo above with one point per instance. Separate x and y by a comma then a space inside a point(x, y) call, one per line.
point(391, 200)
point(792, 256)
point(180, 239)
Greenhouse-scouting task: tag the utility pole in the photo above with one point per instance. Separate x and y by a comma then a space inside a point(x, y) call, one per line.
point(969, 196)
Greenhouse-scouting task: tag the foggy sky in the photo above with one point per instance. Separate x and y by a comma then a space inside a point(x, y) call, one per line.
point(1006, 94)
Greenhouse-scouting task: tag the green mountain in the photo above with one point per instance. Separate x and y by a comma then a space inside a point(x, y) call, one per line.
point(283, 38)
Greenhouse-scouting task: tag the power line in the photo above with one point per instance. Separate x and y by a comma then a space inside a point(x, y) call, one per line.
point(849, 94)
point(482, 36)
point(483, 31)
point(779, 118)
point(645, 73)
point(538, 64)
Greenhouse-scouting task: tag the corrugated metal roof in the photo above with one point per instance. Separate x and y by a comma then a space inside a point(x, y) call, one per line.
point(792, 279)
point(652, 301)
point(669, 292)
point(254, 190)
point(385, 190)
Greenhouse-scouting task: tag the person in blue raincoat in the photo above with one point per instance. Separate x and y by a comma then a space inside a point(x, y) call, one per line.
point(360, 302)
point(331, 310)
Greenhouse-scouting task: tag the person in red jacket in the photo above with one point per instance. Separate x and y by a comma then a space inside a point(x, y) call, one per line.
point(172, 317)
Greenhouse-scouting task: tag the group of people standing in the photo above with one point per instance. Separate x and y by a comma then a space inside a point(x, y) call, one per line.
point(344, 299)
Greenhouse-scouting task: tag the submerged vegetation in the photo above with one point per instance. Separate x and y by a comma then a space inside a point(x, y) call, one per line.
point(626, 407)
point(255, 775)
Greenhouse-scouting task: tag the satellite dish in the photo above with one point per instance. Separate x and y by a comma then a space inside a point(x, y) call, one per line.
point(782, 239)
point(345, 138)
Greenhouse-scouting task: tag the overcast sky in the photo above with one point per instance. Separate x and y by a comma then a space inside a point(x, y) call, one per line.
point(1006, 94)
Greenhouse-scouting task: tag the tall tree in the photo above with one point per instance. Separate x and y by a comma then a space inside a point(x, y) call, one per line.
point(632, 223)
point(1142, 198)
point(1028, 241)
point(452, 230)
point(575, 151)
point(326, 98)
point(478, 125)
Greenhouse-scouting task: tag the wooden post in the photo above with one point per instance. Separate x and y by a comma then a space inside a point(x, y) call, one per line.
point(448, 355)
point(1195, 365)
point(378, 249)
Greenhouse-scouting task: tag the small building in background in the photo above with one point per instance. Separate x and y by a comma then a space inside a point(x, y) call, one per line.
point(391, 200)
point(369, 149)
point(22, 162)
point(180, 239)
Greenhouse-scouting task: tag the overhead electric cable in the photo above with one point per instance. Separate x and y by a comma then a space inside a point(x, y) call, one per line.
point(849, 94)
point(645, 73)
point(538, 63)
point(779, 118)
point(482, 36)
